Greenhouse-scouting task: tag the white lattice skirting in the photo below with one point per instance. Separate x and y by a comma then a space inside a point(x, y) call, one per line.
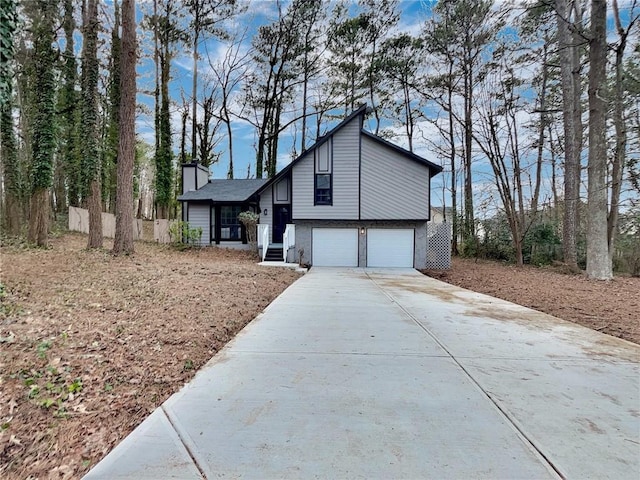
point(439, 246)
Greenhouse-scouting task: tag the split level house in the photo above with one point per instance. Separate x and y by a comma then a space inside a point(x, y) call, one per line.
point(352, 199)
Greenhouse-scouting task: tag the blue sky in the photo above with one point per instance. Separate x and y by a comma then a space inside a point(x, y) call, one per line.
point(260, 12)
point(412, 15)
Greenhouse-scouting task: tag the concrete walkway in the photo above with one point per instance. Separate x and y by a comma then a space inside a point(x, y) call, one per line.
point(356, 373)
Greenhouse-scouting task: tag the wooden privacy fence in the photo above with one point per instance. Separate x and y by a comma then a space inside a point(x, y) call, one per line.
point(161, 230)
point(79, 222)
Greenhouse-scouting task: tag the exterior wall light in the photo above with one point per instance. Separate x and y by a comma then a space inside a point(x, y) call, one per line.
point(265, 211)
point(362, 231)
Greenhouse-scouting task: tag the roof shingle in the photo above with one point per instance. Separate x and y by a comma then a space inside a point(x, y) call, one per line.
point(223, 190)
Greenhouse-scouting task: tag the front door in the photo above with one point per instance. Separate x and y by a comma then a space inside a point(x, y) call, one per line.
point(282, 216)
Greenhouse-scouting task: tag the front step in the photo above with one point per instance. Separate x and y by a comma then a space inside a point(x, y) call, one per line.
point(274, 254)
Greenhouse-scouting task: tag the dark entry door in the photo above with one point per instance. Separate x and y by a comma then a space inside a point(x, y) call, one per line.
point(282, 216)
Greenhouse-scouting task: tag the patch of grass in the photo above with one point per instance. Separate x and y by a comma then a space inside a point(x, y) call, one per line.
point(76, 386)
point(188, 365)
point(42, 348)
point(50, 387)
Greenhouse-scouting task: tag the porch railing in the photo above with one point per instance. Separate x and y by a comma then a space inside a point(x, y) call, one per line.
point(288, 239)
point(263, 238)
point(261, 228)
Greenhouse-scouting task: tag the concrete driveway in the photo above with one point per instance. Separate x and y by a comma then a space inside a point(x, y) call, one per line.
point(364, 373)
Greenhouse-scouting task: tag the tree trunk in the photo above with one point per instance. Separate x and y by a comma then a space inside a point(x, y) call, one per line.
point(598, 259)
point(554, 188)
point(164, 168)
point(542, 127)
point(43, 87)
point(194, 92)
point(94, 205)
point(156, 63)
point(621, 133)
point(228, 124)
point(572, 158)
point(10, 169)
point(183, 137)
point(469, 222)
point(452, 160)
point(91, 158)
point(39, 217)
point(123, 242)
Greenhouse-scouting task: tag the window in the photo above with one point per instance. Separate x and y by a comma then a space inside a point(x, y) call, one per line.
point(323, 189)
point(229, 223)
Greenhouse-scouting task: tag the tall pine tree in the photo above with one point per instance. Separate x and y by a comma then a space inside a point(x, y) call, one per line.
point(123, 242)
point(89, 126)
point(42, 14)
point(8, 142)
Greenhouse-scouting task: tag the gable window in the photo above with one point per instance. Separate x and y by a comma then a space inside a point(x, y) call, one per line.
point(323, 189)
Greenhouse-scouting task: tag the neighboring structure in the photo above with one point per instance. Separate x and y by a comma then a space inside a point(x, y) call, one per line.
point(351, 199)
point(441, 214)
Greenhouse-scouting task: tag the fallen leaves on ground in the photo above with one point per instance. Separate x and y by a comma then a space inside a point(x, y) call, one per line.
point(90, 344)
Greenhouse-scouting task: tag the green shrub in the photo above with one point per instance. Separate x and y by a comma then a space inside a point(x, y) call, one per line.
point(542, 245)
point(182, 235)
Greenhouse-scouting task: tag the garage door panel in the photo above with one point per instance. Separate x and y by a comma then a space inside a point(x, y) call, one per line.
point(334, 247)
point(390, 247)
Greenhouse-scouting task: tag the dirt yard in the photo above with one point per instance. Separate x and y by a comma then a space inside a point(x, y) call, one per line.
point(91, 344)
point(609, 307)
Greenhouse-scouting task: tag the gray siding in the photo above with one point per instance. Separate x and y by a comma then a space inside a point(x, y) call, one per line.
point(188, 179)
point(203, 176)
point(393, 187)
point(346, 158)
point(200, 216)
point(266, 203)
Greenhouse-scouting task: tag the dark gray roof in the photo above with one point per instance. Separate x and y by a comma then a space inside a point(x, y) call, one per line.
point(223, 190)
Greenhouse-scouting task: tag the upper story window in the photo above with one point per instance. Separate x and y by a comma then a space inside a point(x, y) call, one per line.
point(323, 168)
point(323, 189)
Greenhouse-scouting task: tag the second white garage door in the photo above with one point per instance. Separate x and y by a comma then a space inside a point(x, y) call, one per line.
point(387, 247)
point(334, 247)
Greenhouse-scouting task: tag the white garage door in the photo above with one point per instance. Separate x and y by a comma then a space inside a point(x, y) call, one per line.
point(334, 247)
point(389, 247)
point(199, 216)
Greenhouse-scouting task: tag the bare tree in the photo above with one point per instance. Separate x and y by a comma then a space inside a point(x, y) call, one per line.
point(207, 16)
point(497, 134)
point(619, 121)
point(208, 129)
point(229, 73)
